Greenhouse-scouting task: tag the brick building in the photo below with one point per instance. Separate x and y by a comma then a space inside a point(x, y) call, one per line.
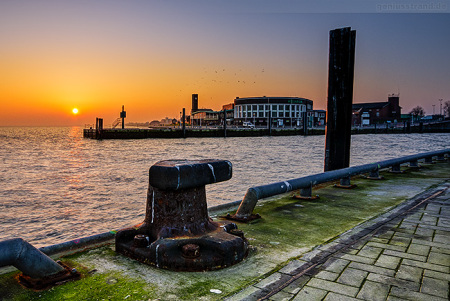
point(377, 112)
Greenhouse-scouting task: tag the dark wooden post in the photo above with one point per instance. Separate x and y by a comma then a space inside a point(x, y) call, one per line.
point(99, 128)
point(340, 98)
point(305, 123)
point(270, 123)
point(184, 123)
point(225, 123)
point(123, 114)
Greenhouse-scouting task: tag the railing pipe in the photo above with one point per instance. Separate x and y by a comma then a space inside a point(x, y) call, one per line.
point(23, 256)
point(85, 242)
point(260, 192)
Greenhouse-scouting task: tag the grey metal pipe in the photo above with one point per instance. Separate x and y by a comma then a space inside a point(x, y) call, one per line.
point(85, 242)
point(32, 262)
point(259, 192)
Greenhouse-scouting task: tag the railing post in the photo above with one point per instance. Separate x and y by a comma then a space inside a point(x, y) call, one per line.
point(345, 183)
point(306, 194)
point(414, 164)
point(441, 157)
point(375, 175)
point(396, 169)
point(428, 160)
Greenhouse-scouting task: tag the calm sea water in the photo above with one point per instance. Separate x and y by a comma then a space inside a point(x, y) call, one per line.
point(56, 186)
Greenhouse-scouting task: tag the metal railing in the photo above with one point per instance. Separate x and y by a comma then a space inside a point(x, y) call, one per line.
point(260, 192)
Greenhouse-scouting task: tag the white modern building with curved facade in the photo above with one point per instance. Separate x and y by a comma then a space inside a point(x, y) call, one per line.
point(281, 111)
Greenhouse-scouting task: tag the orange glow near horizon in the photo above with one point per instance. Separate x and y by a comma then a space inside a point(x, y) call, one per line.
point(151, 57)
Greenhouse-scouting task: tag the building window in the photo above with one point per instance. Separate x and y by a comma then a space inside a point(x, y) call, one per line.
point(274, 107)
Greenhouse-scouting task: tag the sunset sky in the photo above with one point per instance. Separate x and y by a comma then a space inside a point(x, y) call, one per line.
point(152, 55)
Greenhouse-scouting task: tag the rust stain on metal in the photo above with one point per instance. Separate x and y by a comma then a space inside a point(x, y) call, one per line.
point(40, 284)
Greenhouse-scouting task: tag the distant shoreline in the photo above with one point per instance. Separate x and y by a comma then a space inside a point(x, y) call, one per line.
point(174, 133)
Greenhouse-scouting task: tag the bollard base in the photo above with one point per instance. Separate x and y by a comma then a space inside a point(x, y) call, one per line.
point(214, 250)
point(68, 274)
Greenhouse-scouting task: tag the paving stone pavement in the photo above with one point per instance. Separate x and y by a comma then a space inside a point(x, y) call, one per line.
point(403, 254)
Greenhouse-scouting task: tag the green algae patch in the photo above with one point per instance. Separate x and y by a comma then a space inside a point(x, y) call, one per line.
point(92, 286)
point(288, 228)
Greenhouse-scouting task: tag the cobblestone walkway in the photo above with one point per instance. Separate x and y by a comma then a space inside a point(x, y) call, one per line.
point(401, 255)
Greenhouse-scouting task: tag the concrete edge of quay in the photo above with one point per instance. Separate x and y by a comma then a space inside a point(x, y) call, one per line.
point(321, 274)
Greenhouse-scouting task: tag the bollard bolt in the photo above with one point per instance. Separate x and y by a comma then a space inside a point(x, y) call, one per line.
point(191, 251)
point(141, 241)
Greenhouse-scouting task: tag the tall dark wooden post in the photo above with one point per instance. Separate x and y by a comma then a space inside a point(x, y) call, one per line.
point(270, 123)
point(340, 98)
point(225, 123)
point(123, 115)
point(98, 128)
point(305, 123)
point(184, 123)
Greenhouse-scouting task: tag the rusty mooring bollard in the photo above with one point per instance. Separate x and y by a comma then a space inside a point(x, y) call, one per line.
point(177, 233)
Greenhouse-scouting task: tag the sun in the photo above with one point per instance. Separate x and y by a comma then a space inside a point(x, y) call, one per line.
point(75, 111)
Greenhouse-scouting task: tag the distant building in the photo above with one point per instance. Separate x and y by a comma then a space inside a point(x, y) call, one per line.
point(228, 107)
point(205, 117)
point(284, 111)
point(377, 112)
point(168, 121)
point(202, 116)
point(230, 113)
point(317, 118)
point(155, 123)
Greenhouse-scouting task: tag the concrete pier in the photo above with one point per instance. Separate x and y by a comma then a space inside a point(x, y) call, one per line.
point(403, 254)
point(383, 240)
